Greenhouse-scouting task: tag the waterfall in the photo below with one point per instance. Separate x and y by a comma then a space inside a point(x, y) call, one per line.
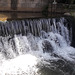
point(36, 47)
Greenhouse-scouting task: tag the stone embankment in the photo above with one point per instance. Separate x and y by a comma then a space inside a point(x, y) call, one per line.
point(19, 9)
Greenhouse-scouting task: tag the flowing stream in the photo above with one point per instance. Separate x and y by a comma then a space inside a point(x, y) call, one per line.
point(36, 47)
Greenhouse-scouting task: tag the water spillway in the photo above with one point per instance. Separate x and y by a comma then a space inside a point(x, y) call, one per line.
point(36, 47)
point(36, 27)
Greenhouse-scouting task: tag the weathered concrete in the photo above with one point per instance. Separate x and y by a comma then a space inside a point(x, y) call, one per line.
point(26, 8)
point(21, 8)
point(14, 4)
point(24, 5)
point(5, 5)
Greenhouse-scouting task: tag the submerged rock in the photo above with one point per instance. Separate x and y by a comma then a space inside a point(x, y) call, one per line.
point(47, 47)
point(63, 66)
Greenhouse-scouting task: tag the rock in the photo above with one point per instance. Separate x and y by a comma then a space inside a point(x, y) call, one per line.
point(47, 47)
point(68, 14)
point(63, 66)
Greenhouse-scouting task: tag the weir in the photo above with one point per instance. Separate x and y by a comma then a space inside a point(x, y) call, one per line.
point(19, 9)
point(33, 43)
point(37, 27)
point(36, 47)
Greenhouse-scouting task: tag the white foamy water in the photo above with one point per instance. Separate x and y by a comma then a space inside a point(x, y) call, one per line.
point(23, 57)
point(26, 55)
point(22, 65)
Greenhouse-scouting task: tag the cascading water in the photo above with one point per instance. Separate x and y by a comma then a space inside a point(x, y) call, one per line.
point(36, 47)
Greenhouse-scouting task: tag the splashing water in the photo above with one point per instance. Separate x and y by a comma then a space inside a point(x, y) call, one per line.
point(49, 53)
point(22, 65)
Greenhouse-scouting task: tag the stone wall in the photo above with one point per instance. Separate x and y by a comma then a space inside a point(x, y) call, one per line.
point(22, 5)
point(5, 4)
point(26, 8)
point(31, 5)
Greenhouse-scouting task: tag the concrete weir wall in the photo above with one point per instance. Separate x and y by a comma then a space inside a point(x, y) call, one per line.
point(31, 5)
point(5, 4)
point(22, 5)
point(14, 9)
point(22, 8)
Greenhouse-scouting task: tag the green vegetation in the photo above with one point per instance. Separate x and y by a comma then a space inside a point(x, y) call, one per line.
point(72, 2)
point(67, 1)
point(72, 14)
point(68, 6)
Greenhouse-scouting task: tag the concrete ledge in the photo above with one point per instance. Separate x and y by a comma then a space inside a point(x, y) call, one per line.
point(11, 16)
point(29, 9)
point(5, 8)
